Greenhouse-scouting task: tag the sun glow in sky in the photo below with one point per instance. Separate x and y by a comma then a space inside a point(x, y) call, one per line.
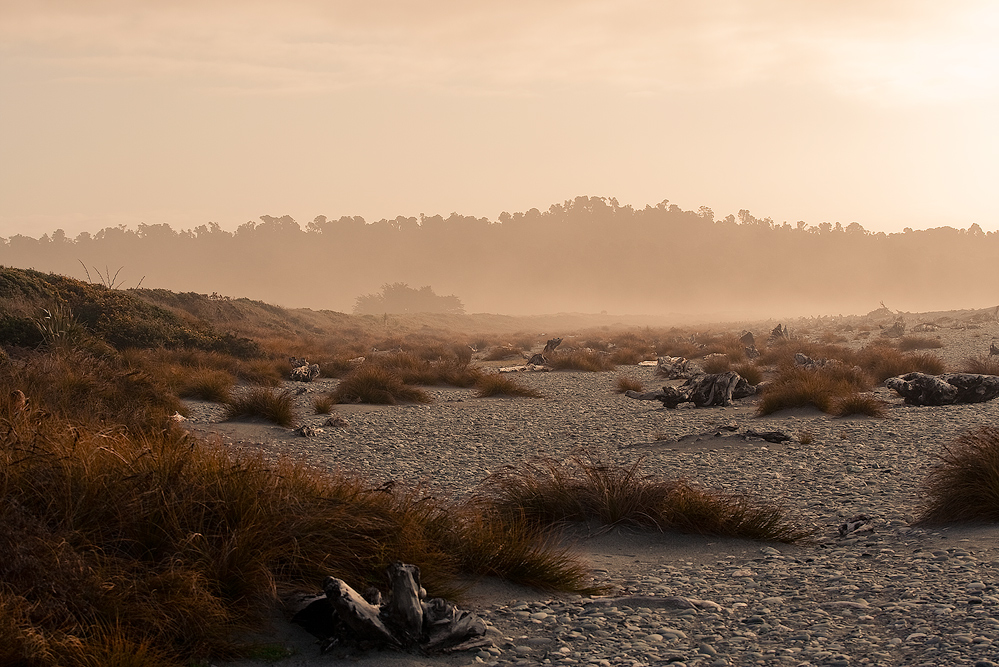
point(882, 113)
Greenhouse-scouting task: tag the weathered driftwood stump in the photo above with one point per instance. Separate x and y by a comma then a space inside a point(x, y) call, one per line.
point(674, 368)
point(302, 370)
point(779, 333)
point(946, 389)
point(896, 330)
point(749, 345)
point(706, 390)
point(404, 621)
point(541, 358)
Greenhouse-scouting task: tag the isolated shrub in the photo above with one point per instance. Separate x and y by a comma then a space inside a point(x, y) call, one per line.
point(323, 405)
point(502, 353)
point(716, 363)
point(629, 356)
point(797, 387)
point(581, 360)
point(982, 365)
point(498, 384)
point(275, 406)
point(207, 384)
point(964, 485)
point(859, 404)
point(750, 371)
point(370, 383)
point(909, 343)
point(546, 492)
point(625, 383)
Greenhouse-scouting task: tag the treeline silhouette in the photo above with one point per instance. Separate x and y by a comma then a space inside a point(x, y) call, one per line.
point(590, 254)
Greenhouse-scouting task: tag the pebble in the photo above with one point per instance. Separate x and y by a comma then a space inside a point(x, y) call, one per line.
point(902, 595)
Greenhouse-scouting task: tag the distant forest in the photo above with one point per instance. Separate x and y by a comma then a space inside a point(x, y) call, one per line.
point(586, 255)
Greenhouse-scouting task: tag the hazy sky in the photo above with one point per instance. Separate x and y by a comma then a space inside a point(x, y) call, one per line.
point(880, 112)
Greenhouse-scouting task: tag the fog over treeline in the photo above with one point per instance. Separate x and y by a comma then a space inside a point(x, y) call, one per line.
point(590, 254)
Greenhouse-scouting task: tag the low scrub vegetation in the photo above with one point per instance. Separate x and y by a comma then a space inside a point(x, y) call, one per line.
point(198, 540)
point(859, 404)
point(581, 360)
point(275, 406)
point(377, 385)
point(548, 493)
point(964, 485)
point(909, 343)
point(982, 365)
point(625, 383)
point(498, 384)
point(798, 387)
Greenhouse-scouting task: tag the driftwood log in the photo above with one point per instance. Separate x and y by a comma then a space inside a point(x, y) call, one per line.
point(302, 370)
point(541, 358)
point(946, 389)
point(702, 390)
point(675, 368)
point(404, 621)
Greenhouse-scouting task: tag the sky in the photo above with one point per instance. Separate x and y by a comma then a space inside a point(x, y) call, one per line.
point(113, 112)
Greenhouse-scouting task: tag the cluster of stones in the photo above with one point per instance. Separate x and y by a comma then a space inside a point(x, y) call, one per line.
point(856, 602)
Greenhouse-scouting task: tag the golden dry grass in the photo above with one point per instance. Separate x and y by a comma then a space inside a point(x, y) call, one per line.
point(625, 383)
point(581, 360)
point(275, 406)
point(796, 387)
point(369, 383)
point(859, 404)
point(964, 485)
point(546, 492)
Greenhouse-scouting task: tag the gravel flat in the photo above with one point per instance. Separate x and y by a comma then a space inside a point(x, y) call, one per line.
point(898, 595)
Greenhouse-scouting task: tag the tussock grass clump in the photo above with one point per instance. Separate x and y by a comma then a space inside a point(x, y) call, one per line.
point(884, 362)
point(629, 356)
point(263, 402)
point(716, 363)
point(502, 353)
point(909, 343)
point(964, 485)
point(198, 540)
point(497, 384)
point(750, 371)
point(207, 384)
point(982, 365)
point(323, 405)
point(581, 360)
point(444, 370)
point(797, 387)
point(625, 383)
point(859, 404)
point(546, 492)
point(377, 385)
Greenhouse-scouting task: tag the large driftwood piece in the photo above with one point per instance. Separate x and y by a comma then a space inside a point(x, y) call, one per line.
point(946, 389)
point(675, 368)
point(302, 370)
point(702, 391)
point(404, 621)
point(541, 358)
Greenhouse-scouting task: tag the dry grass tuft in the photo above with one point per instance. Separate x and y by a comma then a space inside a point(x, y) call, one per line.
point(716, 363)
point(323, 405)
point(581, 360)
point(982, 365)
point(503, 352)
point(625, 383)
point(497, 384)
point(413, 368)
point(207, 384)
point(374, 384)
point(548, 493)
point(797, 387)
point(909, 343)
point(750, 371)
point(859, 404)
point(263, 402)
point(964, 486)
